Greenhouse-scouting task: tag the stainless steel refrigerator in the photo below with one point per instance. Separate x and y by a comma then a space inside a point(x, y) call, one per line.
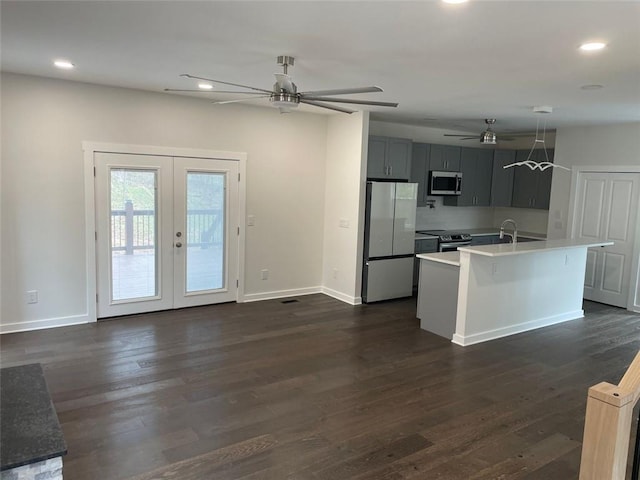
point(389, 240)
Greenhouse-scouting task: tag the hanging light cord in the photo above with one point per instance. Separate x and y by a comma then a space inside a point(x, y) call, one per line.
point(532, 164)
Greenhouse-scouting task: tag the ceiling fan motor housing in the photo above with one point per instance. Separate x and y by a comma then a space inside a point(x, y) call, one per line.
point(488, 137)
point(284, 99)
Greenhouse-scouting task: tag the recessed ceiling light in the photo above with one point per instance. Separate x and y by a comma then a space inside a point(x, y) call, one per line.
point(592, 87)
point(205, 86)
point(455, 1)
point(64, 64)
point(591, 46)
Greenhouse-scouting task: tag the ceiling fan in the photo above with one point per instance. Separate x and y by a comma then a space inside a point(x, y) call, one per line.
point(285, 95)
point(489, 137)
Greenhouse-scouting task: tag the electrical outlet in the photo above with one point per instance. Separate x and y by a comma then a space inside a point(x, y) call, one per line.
point(264, 274)
point(344, 223)
point(32, 296)
point(251, 220)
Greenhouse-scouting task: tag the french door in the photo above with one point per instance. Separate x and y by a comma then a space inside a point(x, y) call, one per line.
point(166, 232)
point(606, 209)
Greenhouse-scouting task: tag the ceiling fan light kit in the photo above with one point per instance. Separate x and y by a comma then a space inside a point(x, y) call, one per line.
point(286, 97)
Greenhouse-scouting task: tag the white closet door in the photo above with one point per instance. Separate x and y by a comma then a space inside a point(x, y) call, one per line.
point(606, 209)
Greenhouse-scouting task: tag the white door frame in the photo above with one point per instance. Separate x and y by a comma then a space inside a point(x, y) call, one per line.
point(90, 148)
point(633, 304)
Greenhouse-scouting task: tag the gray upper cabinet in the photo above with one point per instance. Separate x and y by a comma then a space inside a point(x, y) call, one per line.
point(389, 158)
point(532, 188)
point(420, 170)
point(445, 158)
point(476, 165)
point(502, 179)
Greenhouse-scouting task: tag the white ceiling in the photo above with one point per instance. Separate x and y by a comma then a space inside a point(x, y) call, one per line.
point(445, 64)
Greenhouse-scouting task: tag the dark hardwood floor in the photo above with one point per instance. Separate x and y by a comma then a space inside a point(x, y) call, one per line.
point(318, 389)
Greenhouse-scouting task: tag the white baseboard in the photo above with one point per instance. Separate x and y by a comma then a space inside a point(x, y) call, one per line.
point(252, 297)
point(467, 340)
point(45, 323)
point(342, 297)
point(294, 292)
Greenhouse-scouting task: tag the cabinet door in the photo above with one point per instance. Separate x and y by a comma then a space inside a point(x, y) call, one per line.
point(477, 240)
point(420, 170)
point(502, 179)
point(399, 158)
point(444, 158)
point(426, 245)
point(476, 165)
point(482, 177)
point(376, 166)
point(525, 182)
point(468, 160)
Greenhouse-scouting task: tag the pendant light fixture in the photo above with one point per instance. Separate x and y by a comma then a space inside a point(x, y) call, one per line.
point(540, 138)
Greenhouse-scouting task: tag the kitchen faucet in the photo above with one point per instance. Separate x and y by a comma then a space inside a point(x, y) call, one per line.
point(514, 237)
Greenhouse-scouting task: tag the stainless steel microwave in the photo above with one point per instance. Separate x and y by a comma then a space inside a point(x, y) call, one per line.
point(445, 183)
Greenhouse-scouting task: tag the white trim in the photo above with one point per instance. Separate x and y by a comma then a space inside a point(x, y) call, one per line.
point(633, 302)
point(294, 292)
point(90, 148)
point(342, 296)
point(466, 340)
point(45, 323)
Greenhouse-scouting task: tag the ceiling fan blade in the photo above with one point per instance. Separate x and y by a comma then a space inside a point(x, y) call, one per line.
point(284, 82)
point(237, 100)
point(210, 91)
point(455, 135)
point(226, 83)
point(324, 105)
point(349, 100)
point(343, 91)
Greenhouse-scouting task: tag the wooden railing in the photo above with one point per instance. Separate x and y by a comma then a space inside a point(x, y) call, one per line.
point(133, 229)
point(607, 426)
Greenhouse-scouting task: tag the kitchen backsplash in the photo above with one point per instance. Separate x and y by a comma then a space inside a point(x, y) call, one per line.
point(451, 218)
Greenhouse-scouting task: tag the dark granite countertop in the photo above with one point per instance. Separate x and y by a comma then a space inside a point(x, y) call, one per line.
point(30, 431)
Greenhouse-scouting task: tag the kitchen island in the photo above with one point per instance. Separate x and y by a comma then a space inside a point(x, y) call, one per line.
point(486, 292)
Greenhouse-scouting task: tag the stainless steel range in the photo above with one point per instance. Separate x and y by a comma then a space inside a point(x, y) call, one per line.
point(449, 240)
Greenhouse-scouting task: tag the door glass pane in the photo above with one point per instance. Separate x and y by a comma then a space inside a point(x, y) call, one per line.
point(205, 235)
point(133, 234)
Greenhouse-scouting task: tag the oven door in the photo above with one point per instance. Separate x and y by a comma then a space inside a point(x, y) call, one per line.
point(452, 246)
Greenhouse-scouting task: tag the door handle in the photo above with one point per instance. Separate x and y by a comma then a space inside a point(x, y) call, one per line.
point(178, 234)
point(178, 244)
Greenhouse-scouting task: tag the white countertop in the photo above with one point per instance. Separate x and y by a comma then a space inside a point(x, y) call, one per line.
point(496, 230)
point(423, 236)
point(503, 249)
point(487, 231)
point(450, 258)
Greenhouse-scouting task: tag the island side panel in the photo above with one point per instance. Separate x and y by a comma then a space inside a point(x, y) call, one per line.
point(500, 296)
point(438, 297)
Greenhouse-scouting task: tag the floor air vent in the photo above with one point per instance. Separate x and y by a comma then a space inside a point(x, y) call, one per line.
point(289, 301)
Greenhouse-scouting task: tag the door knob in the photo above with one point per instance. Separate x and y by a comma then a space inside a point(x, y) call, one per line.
point(178, 244)
point(178, 234)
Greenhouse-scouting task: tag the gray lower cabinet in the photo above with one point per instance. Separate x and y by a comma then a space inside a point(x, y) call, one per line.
point(476, 165)
point(389, 158)
point(532, 188)
point(477, 240)
point(420, 170)
point(444, 158)
point(424, 245)
point(502, 179)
